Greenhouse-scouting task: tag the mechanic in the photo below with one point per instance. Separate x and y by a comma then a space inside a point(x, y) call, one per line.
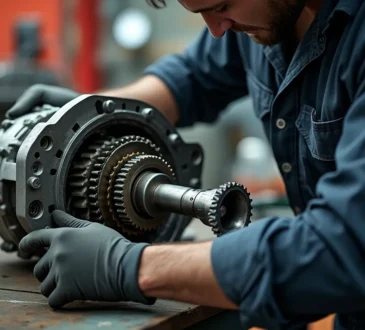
point(302, 62)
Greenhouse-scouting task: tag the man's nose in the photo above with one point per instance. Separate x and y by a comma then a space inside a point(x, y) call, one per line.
point(216, 25)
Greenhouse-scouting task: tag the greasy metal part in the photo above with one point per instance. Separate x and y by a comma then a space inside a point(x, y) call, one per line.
point(12, 133)
point(224, 209)
point(56, 158)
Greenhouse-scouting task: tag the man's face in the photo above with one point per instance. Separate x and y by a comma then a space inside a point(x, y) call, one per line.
point(265, 21)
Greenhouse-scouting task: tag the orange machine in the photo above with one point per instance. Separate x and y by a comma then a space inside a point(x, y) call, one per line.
point(49, 15)
point(68, 38)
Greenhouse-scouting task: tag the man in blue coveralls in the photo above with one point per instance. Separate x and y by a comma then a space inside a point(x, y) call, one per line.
point(303, 63)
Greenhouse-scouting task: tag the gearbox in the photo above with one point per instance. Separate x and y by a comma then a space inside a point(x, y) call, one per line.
point(116, 161)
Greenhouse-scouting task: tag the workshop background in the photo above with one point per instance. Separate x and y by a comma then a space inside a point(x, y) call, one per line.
point(98, 44)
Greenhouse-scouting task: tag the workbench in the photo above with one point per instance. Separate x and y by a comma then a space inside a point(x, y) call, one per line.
point(22, 306)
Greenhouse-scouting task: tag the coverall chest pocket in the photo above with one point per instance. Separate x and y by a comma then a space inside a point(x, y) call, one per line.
point(316, 146)
point(321, 137)
point(262, 98)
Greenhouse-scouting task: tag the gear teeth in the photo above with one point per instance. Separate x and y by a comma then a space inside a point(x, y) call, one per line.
point(79, 176)
point(80, 192)
point(213, 218)
point(120, 185)
point(97, 168)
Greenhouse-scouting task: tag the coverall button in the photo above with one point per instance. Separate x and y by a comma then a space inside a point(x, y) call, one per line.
point(280, 123)
point(286, 167)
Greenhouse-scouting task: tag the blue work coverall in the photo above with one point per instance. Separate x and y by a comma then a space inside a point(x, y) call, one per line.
point(310, 97)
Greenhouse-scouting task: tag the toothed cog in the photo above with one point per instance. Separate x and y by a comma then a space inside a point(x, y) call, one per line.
point(125, 179)
point(230, 208)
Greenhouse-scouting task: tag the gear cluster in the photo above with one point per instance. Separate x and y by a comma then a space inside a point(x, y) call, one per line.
point(101, 176)
point(126, 183)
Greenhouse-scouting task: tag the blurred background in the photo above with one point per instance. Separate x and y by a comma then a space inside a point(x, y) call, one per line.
point(97, 44)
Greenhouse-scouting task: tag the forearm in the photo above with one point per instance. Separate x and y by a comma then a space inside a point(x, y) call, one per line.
point(152, 90)
point(181, 272)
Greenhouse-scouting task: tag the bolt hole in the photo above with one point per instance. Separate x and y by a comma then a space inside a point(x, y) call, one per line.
point(37, 155)
point(184, 167)
point(46, 143)
point(35, 209)
point(168, 132)
point(37, 168)
point(53, 171)
point(99, 107)
point(123, 106)
point(138, 108)
point(59, 153)
point(196, 158)
point(75, 127)
point(51, 208)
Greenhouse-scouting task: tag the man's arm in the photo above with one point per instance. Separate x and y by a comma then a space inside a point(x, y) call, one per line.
point(89, 261)
point(205, 78)
point(285, 272)
point(182, 272)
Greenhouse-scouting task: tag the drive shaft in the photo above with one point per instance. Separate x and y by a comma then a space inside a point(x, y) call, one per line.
point(225, 208)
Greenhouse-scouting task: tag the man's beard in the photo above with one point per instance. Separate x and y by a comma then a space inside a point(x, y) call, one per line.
point(282, 20)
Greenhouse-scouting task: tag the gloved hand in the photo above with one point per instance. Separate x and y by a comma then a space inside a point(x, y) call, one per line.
point(38, 95)
point(85, 261)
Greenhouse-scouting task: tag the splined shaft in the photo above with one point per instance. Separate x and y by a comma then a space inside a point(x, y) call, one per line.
point(224, 209)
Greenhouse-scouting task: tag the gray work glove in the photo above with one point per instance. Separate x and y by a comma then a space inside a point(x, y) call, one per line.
point(85, 261)
point(38, 95)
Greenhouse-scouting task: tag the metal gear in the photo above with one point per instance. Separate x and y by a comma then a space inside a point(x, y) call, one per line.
point(94, 179)
point(109, 157)
point(123, 186)
point(78, 179)
point(221, 211)
point(110, 195)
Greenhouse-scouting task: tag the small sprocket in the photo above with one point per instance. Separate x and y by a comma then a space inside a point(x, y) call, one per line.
point(227, 214)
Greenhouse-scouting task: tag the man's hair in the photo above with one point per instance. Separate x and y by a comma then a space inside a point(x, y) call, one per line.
point(157, 3)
